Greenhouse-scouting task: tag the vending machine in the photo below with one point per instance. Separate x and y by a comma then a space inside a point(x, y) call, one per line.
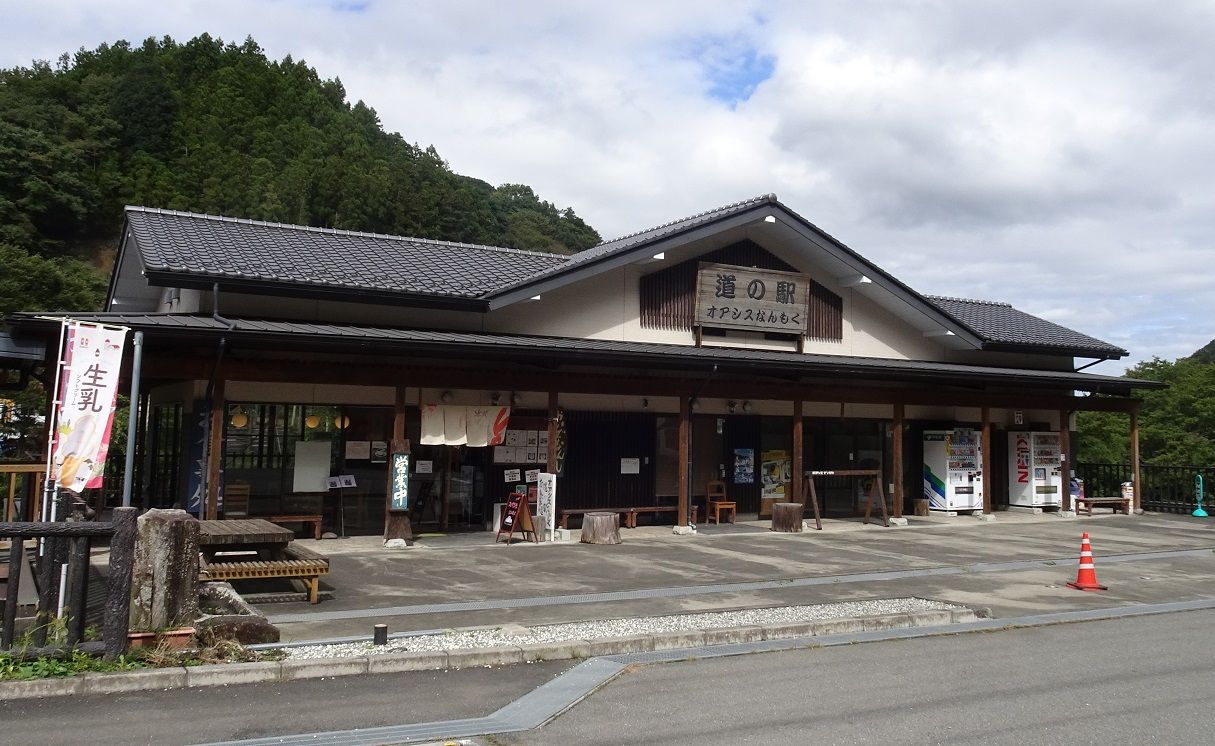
point(1035, 470)
point(953, 469)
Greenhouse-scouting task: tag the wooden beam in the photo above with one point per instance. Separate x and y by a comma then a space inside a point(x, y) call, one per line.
point(798, 466)
point(988, 498)
point(1065, 448)
point(530, 379)
point(897, 459)
point(685, 422)
point(1135, 475)
point(215, 451)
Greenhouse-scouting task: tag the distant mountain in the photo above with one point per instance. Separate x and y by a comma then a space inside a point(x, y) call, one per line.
point(1206, 354)
point(215, 127)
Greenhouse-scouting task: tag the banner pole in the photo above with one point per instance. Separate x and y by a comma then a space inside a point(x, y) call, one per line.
point(128, 473)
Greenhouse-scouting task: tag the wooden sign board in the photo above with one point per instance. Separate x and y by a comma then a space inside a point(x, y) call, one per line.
point(517, 516)
point(398, 482)
point(764, 300)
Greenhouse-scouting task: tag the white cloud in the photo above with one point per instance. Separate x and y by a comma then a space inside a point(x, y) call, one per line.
point(1055, 156)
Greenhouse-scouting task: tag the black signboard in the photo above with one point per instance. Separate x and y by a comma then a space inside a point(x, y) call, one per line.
point(517, 516)
point(398, 482)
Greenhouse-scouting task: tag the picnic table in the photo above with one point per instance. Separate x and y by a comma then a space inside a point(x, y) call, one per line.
point(251, 548)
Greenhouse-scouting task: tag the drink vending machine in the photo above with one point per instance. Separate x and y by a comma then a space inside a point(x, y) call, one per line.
point(953, 469)
point(1035, 473)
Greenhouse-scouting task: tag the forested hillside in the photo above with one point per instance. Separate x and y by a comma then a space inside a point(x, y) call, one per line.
point(1176, 425)
point(218, 128)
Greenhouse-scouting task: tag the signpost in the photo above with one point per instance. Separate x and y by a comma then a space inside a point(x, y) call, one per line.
point(546, 503)
point(517, 515)
point(1199, 513)
point(396, 518)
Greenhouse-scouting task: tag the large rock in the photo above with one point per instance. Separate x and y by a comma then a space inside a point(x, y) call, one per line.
point(164, 582)
point(226, 616)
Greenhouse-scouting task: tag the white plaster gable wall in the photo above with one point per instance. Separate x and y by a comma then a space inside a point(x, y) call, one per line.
point(594, 308)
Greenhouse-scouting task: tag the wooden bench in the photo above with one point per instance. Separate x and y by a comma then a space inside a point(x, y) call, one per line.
point(628, 514)
point(1117, 504)
point(297, 562)
point(303, 518)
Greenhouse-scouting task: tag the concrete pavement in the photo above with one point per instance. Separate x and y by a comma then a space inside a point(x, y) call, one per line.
point(954, 559)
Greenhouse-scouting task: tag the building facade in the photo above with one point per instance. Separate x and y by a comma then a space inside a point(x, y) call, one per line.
point(742, 345)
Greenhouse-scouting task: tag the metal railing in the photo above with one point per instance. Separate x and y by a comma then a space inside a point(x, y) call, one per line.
point(1165, 489)
point(70, 543)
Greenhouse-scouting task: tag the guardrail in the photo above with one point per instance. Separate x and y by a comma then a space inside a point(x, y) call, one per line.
point(1165, 489)
point(71, 543)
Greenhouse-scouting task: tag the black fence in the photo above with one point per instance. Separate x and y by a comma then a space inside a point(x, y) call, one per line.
point(1166, 489)
point(69, 543)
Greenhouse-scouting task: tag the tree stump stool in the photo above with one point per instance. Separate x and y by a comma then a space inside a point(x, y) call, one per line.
point(601, 528)
point(787, 517)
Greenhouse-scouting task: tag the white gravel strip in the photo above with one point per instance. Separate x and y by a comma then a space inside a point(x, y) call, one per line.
point(610, 628)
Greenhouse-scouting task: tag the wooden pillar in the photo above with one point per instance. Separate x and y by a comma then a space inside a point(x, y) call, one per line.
point(445, 506)
point(685, 422)
point(398, 416)
point(397, 525)
point(215, 452)
point(1065, 448)
point(1135, 475)
point(798, 466)
point(897, 460)
point(988, 498)
point(550, 465)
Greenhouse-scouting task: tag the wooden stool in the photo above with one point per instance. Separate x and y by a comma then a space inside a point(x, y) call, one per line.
point(601, 528)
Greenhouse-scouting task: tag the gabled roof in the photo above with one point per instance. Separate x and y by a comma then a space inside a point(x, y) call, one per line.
point(205, 248)
point(1003, 327)
point(641, 238)
point(186, 249)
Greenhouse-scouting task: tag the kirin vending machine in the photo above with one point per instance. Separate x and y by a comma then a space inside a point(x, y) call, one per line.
point(1035, 475)
point(953, 469)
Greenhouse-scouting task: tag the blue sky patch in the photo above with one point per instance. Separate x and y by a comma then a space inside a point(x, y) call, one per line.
point(733, 68)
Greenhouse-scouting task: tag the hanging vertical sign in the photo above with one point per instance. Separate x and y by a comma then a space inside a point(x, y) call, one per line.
point(399, 482)
point(91, 359)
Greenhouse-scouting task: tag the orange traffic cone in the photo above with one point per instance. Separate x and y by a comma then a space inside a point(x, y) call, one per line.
point(1086, 577)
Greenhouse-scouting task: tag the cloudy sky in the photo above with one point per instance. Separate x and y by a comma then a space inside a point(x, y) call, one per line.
point(1058, 156)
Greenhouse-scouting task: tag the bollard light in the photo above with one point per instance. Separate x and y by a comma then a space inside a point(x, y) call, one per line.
point(380, 637)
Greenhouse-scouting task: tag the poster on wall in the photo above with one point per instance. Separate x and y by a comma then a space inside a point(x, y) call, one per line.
point(776, 470)
point(358, 450)
point(312, 460)
point(531, 476)
point(630, 466)
point(744, 466)
point(511, 475)
point(379, 451)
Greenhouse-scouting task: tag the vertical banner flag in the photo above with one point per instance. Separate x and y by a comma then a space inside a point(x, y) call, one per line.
point(92, 358)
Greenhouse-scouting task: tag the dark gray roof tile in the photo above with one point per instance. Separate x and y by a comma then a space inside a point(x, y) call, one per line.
point(219, 248)
point(1001, 324)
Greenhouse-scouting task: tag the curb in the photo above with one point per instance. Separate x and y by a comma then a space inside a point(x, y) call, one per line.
point(224, 674)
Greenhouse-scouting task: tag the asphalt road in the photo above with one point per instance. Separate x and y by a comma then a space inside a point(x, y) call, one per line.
point(1140, 680)
point(205, 714)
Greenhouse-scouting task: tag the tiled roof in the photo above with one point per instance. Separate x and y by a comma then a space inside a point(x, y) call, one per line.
point(624, 243)
point(216, 248)
point(602, 351)
point(249, 250)
point(1001, 324)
